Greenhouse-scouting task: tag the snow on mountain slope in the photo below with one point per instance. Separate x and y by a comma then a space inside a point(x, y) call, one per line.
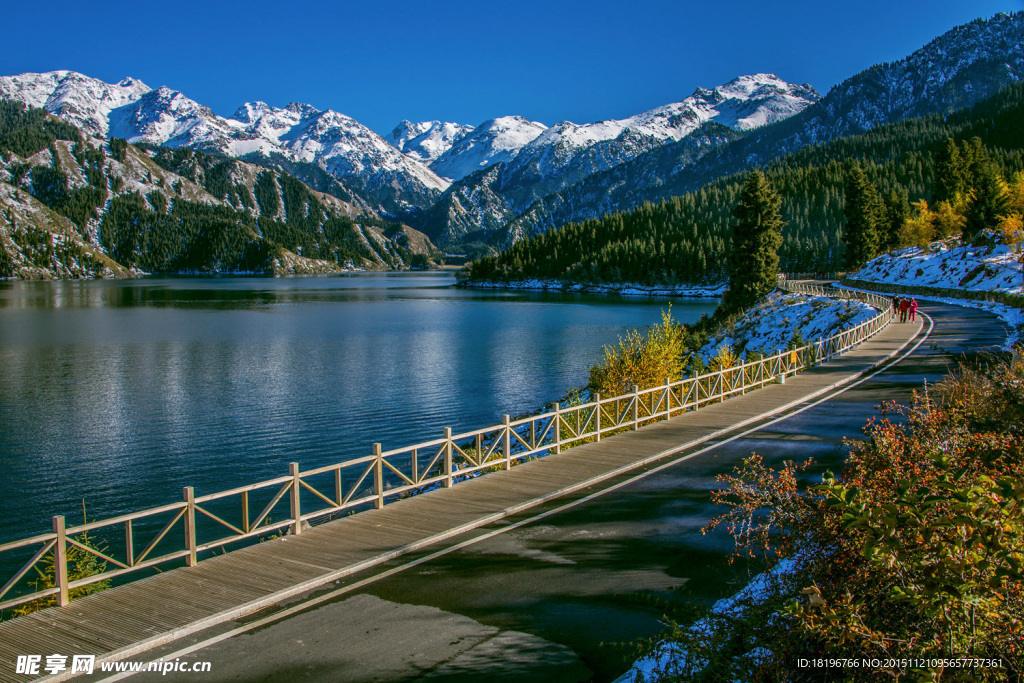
point(742, 104)
point(80, 100)
point(539, 162)
point(492, 142)
point(299, 132)
point(960, 67)
point(426, 141)
point(773, 324)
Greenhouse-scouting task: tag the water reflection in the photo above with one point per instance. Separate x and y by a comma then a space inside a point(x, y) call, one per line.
point(123, 392)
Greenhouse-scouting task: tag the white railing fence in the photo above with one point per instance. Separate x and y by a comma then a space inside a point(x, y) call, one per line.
point(199, 524)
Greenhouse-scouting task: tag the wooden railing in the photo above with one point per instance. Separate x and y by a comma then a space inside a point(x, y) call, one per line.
point(199, 524)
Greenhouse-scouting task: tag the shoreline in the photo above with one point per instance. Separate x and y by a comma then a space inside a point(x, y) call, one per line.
point(622, 289)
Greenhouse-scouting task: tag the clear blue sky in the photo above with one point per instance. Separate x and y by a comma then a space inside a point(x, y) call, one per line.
point(380, 61)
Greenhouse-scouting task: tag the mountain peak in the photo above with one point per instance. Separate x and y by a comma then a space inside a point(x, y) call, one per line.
point(426, 141)
point(493, 141)
point(302, 109)
point(132, 83)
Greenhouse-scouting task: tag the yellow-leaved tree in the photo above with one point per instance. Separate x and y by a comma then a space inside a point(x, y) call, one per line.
point(1012, 225)
point(643, 360)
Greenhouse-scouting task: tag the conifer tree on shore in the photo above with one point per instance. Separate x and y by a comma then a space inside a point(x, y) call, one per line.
point(756, 237)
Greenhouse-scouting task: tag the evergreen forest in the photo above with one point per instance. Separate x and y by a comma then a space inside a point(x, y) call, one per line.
point(685, 240)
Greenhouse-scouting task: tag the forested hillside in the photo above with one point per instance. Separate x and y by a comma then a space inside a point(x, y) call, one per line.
point(170, 211)
point(684, 240)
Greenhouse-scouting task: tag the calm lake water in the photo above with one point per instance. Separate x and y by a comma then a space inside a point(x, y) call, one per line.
point(120, 393)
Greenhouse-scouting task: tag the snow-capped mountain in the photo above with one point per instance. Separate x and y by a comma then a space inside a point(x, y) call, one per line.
point(959, 68)
point(427, 140)
point(298, 133)
point(537, 161)
point(128, 181)
point(742, 104)
point(492, 142)
point(85, 102)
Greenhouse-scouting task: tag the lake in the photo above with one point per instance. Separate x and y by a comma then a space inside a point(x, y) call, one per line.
point(122, 392)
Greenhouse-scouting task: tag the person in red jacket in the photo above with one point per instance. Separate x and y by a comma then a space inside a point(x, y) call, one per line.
point(912, 308)
point(904, 307)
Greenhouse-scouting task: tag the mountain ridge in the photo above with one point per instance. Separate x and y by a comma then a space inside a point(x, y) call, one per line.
point(299, 133)
point(954, 70)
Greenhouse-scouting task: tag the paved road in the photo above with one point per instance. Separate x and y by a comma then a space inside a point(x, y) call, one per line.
point(540, 599)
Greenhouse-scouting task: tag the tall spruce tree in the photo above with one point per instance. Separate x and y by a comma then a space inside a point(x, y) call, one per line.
point(862, 210)
point(897, 210)
point(756, 237)
point(952, 172)
point(988, 201)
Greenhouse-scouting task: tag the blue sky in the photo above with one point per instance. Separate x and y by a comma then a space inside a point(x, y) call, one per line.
point(549, 60)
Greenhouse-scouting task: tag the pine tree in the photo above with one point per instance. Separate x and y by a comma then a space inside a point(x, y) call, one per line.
point(861, 211)
point(988, 201)
point(952, 172)
point(897, 210)
point(756, 237)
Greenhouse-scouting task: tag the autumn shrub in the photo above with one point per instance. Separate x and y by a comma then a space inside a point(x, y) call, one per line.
point(642, 360)
point(913, 553)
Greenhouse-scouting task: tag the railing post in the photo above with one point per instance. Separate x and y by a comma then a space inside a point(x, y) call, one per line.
point(293, 470)
point(597, 417)
point(129, 543)
point(448, 480)
point(190, 524)
point(557, 408)
point(505, 420)
point(668, 398)
point(60, 560)
point(378, 476)
point(636, 407)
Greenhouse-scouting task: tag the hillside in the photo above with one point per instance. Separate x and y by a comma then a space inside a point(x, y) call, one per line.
point(684, 239)
point(992, 267)
point(506, 164)
point(170, 211)
point(298, 136)
point(956, 70)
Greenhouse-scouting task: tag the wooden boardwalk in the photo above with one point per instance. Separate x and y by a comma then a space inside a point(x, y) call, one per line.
point(125, 621)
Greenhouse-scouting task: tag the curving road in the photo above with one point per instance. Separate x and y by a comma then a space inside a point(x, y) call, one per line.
point(539, 597)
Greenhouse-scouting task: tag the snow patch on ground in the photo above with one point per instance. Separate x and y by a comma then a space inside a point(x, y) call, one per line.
point(771, 326)
point(669, 657)
point(982, 269)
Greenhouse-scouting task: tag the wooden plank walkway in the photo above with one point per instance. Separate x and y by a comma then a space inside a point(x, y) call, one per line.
point(122, 622)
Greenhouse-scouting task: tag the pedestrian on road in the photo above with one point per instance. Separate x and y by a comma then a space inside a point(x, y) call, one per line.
point(913, 309)
point(904, 308)
point(895, 304)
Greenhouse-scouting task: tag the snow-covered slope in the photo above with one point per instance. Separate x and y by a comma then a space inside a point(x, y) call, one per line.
point(492, 142)
point(983, 269)
point(744, 103)
point(783, 317)
point(958, 69)
point(538, 161)
point(298, 133)
point(426, 141)
point(83, 101)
